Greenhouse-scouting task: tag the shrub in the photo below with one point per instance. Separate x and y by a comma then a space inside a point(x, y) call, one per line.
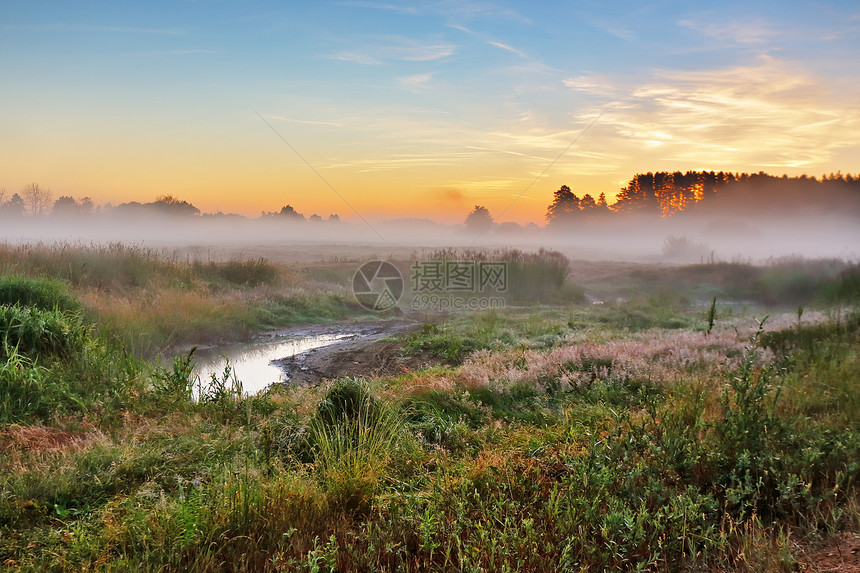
point(345, 402)
point(45, 334)
point(24, 389)
point(352, 436)
point(252, 272)
point(44, 294)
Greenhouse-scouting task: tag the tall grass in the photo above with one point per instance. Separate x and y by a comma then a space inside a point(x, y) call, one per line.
point(562, 442)
point(785, 281)
point(152, 300)
point(689, 467)
point(49, 334)
point(532, 277)
point(43, 294)
point(118, 266)
point(51, 361)
point(352, 437)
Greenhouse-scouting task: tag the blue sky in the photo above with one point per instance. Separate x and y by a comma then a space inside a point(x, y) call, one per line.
point(421, 108)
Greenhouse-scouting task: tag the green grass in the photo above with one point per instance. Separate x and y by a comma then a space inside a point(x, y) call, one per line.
point(785, 281)
point(151, 300)
point(641, 435)
point(530, 277)
point(52, 364)
point(43, 294)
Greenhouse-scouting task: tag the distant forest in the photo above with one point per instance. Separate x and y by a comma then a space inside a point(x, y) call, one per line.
point(695, 193)
point(655, 196)
point(36, 201)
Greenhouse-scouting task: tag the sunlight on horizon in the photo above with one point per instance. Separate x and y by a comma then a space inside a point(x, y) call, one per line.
point(422, 113)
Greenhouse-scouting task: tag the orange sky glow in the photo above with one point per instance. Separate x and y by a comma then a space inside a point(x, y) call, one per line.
point(416, 111)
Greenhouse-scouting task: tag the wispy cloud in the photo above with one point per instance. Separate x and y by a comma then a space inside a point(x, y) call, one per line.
point(736, 31)
point(591, 83)
point(464, 10)
point(397, 49)
point(392, 162)
point(493, 150)
point(508, 48)
point(188, 52)
point(769, 113)
point(416, 82)
point(415, 52)
point(357, 58)
point(615, 27)
point(456, 11)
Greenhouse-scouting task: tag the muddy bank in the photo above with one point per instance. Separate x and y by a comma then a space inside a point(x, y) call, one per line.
point(308, 354)
point(373, 350)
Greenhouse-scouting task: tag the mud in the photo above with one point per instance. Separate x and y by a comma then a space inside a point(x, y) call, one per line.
point(309, 354)
point(373, 350)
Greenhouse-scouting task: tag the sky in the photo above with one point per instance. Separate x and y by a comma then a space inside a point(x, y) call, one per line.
point(383, 110)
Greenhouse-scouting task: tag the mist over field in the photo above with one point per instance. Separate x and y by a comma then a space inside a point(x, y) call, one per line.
point(443, 286)
point(690, 217)
point(681, 240)
point(673, 376)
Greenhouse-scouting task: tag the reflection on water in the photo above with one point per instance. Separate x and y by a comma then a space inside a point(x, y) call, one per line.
point(251, 362)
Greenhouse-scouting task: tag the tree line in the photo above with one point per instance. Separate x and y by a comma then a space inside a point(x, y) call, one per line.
point(37, 201)
point(647, 195)
point(667, 194)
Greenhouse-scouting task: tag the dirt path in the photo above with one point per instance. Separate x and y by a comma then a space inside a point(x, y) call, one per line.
point(840, 554)
point(374, 350)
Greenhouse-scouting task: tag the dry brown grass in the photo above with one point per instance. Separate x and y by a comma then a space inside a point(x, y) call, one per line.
point(36, 440)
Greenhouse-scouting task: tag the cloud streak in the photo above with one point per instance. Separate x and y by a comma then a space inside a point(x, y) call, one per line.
point(508, 49)
point(766, 114)
point(416, 82)
point(400, 49)
point(733, 31)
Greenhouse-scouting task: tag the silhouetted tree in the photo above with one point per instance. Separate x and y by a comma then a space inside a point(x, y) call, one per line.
point(86, 206)
point(288, 211)
point(509, 228)
point(638, 197)
point(333, 218)
point(669, 194)
point(479, 220)
point(170, 205)
point(564, 207)
point(37, 199)
point(14, 207)
point(66, 206)
point(602, 209)
point(588, 206)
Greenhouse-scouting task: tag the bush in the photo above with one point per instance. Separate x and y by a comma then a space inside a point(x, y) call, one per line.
point(43, 334)
point(352, 436)
point(253, 272)
point(43, 294)
point(51, 364)
point(24, 389)
point(346, 402)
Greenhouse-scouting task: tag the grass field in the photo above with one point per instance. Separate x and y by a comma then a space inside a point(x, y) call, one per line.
point(633, 417)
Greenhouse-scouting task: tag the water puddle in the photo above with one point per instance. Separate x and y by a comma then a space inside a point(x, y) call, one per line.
point(252, 362)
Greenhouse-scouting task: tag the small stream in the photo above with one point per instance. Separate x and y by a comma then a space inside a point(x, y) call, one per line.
point(252, 362)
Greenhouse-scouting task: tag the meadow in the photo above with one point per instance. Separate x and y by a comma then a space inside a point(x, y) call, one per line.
point(612, 416)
